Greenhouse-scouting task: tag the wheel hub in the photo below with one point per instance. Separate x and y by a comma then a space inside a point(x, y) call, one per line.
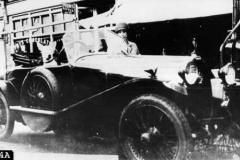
point(147, 137)
point(41, 95)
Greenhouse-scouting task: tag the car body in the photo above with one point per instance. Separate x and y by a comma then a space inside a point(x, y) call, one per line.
point(154, 103)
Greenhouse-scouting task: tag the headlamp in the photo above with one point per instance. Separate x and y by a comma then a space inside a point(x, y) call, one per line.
point(228, 74)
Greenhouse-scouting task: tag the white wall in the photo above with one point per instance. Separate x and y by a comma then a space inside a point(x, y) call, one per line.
point(28, 5)
point(2, 58)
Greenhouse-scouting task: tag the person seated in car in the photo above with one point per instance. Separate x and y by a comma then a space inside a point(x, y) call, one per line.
point(131, 47)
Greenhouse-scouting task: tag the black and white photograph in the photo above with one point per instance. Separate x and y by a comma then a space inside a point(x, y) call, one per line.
point(120, 79)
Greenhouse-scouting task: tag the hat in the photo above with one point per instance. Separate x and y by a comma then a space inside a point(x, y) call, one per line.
point(121, 26)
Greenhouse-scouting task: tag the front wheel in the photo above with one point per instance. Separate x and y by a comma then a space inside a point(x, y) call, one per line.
point(6, 122)
point(153, 127)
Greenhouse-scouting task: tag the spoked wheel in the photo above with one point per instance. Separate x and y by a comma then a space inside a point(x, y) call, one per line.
point(6, 123)
point(41, 91)
point(37, 93)
point(152, 127)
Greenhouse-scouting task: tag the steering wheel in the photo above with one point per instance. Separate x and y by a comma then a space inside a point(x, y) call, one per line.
point(73, 54)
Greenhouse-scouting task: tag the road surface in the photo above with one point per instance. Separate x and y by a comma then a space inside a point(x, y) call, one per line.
point(27, 144)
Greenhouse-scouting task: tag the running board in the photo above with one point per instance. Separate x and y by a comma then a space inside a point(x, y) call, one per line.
point(37, 111)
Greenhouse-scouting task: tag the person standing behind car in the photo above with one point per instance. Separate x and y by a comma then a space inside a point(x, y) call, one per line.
point(121, 29)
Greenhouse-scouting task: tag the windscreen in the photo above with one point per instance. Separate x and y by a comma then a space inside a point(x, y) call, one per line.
point(80, 43)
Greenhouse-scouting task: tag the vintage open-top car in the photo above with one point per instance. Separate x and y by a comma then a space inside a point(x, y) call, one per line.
point(156, 104)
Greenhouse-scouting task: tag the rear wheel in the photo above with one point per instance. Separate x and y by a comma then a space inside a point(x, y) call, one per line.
point(152, 127)
point(41, 91)
point(6, 122)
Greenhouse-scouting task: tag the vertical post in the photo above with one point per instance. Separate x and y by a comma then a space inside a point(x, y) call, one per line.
point(30, 33)
point(3, 50)
point(96, 35)
point(51, 20)
point(76, 11)
point(236, 15)
point(3, 43)
point(76, 17)
point(76, 33)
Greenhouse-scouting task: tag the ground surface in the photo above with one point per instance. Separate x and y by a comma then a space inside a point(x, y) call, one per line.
point(26, 141)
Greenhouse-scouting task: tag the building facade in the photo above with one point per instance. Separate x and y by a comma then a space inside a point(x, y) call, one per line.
point(24, 22)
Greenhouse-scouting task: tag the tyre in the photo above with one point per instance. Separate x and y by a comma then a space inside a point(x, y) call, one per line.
point(40, 90)
point(6, 121)
point(153, 127)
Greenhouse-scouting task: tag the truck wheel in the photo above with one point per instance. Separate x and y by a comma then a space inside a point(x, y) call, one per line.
point(6, 122)
point(153, 127)
point(40, 90)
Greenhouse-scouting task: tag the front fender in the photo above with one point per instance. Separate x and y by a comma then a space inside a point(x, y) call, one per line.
point(158, 85)
point(137, 87)
point(121, 95)
point(10, 92)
